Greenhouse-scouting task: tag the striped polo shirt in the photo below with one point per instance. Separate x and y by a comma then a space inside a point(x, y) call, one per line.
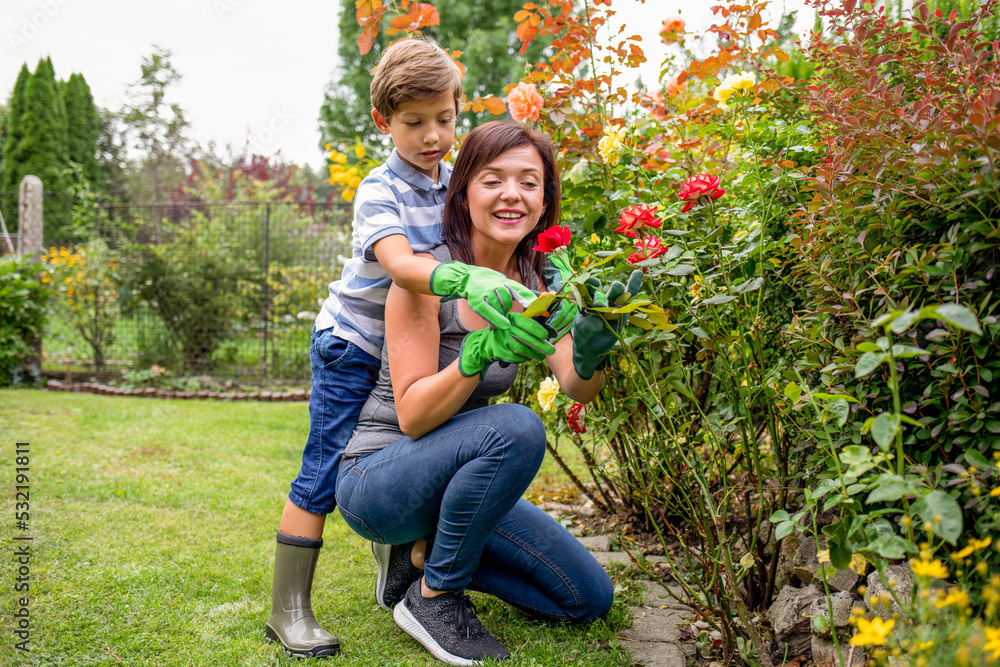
point(394, 198)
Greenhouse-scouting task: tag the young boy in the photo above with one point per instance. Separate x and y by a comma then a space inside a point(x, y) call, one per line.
point(416, 93)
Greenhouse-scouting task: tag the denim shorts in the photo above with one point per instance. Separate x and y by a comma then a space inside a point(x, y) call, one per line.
point(342, 377)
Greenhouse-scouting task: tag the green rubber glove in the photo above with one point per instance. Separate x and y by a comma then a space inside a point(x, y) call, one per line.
point(594, 335)
point(522, 341)
point(561, 320)
point(490, 293)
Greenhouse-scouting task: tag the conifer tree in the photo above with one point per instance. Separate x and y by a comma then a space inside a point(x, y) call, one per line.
point(42, 149)
point(83, 123)
point(10, 175)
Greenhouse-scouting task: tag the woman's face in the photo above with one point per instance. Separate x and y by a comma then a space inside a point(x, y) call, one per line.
point(507, 197)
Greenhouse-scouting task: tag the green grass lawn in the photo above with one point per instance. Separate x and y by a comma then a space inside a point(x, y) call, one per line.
point(153, 525)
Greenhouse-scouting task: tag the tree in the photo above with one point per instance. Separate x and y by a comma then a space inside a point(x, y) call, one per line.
point(84, 127)
point(9, 173)
point(483, 31)
point(157, 127)
point(40, 149)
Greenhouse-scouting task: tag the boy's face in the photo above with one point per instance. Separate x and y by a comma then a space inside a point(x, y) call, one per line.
point(422, 131)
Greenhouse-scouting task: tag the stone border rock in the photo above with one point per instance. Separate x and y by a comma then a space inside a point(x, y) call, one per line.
point(107, 390)
point(654, 638)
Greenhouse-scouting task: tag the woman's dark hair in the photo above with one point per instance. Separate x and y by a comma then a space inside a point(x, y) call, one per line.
point(484, 145)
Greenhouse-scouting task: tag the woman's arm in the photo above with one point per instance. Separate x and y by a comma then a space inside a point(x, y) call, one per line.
point(571, 384)
point(425, 397)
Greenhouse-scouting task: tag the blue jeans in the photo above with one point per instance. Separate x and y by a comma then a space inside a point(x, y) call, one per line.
point(459, 487)
point(342, 377)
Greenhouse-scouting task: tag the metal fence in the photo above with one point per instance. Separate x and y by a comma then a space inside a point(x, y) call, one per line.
point(195, 289)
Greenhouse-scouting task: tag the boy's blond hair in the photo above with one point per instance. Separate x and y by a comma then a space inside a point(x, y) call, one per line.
point(413, 69)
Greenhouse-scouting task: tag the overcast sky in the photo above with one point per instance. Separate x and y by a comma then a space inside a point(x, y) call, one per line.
point(253, 70)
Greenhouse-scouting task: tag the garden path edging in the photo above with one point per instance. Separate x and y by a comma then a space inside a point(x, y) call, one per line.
point(654, 638)
point(150, 392)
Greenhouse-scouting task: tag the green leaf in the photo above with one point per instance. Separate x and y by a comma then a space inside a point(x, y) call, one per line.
point(718, 299)
point(958, 316)
point(891, 546)
point(784, 529)
point(821, 624)
point(884, 430)
point(886, 318)
point(749, 286)
point(975, 458)
point(854, 455)
point(793, 391)
point(840, 410)
point(904, 321)
point(868, 362)
point(907, 351)
point(699, 332)
point(840, 554)
point(682, 270)
point(540, 305)
point(780, 515)
point(820, 396)
point(889, 488)
point(943, 513)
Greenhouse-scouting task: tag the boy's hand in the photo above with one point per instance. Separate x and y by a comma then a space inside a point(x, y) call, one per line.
point(523, 340)
point(490, 293)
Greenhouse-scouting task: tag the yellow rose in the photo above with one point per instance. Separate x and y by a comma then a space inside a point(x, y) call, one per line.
point(547, 392)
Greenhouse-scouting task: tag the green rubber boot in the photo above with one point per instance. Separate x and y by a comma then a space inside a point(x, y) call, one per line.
point(291, 622)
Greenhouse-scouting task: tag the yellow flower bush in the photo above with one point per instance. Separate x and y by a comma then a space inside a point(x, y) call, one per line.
point(348, 167)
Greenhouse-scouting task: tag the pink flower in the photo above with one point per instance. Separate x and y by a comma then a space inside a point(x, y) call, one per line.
point(698, 186)
point(524, 102)
point(649, 247)
point(575, 419)
point(553, 238)
point(636, 218)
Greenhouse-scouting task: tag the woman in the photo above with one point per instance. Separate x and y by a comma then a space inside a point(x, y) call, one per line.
point(436, 471)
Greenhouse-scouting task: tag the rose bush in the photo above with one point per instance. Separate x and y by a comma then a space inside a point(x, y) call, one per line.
point(819, 342)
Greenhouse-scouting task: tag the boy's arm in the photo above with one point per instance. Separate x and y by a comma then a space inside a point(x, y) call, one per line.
point(490, 294)
point(409, 271)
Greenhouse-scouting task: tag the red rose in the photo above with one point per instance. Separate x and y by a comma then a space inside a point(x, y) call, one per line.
point(553, 238)
point(636, 218)
point(575, 418)
point(649, 247)
point(698, 186)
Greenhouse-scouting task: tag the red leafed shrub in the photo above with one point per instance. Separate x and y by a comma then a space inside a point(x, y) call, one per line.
point(906, 212)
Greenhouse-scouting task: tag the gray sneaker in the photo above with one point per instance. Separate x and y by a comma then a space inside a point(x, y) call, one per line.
point(447, 627)
point(395, 573)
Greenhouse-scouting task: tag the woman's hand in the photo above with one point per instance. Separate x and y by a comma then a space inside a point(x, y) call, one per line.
point(524, 340)
point(596, 333)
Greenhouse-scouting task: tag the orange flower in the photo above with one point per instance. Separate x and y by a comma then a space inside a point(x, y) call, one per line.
point(673, 28)
point(524, 102)
point(672, 87)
